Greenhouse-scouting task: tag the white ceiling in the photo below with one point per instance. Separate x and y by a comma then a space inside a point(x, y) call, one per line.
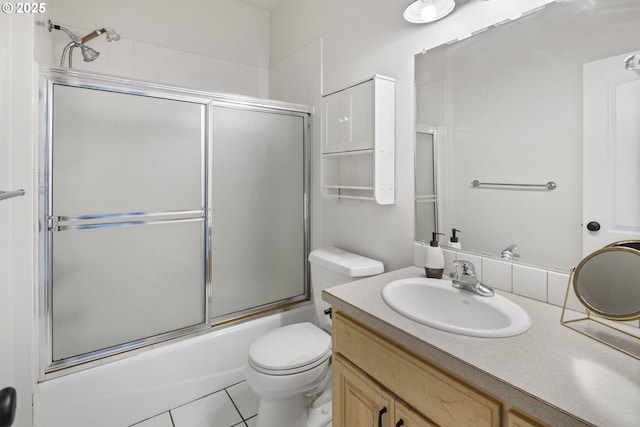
point(267, 5)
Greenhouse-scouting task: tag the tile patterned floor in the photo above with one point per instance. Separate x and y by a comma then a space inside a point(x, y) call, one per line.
point(235, 406)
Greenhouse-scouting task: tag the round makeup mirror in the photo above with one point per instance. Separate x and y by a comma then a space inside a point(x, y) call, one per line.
point(607, 282)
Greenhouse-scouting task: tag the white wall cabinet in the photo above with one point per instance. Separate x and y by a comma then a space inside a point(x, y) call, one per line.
point(358, 141)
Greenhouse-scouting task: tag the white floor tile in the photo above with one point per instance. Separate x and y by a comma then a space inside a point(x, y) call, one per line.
point(245, 399)
point(215, 410)
point(162, 420)
point(252, 422)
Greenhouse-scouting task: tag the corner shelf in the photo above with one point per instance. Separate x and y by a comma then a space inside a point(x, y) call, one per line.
point(358, 142)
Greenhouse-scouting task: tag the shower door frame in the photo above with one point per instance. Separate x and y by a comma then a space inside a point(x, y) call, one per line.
point(49, 369)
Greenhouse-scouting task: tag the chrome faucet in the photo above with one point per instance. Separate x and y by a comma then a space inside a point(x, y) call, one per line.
point(465, 278)
point(510, 252)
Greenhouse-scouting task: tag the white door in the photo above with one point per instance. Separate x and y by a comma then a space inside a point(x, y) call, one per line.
point(611, 156)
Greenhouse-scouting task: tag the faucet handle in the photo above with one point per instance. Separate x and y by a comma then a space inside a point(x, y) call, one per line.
point(466, 268)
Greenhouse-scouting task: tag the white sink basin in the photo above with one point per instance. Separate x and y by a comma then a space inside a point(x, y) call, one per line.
point(436, 303)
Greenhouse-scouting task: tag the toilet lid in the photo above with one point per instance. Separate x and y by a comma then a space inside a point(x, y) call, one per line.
point(290, 347)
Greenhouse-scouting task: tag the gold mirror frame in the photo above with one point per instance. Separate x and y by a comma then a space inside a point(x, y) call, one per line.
point(590, 302)
point(622, 337)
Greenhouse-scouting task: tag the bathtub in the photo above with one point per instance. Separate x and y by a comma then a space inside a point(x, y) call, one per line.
point(129, 390)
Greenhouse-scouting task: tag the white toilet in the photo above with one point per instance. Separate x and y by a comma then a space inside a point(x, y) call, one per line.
point(289, 367)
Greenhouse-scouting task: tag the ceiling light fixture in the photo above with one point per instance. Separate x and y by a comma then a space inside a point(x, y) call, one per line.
point(423, 11)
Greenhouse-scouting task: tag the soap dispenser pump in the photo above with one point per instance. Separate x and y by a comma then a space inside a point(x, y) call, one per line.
point(454, 242)
point(434, 258)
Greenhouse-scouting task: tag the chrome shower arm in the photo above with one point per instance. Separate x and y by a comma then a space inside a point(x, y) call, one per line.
point(72, 36)
point(65, 51)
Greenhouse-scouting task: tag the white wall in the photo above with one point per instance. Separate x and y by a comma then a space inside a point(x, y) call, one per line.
point(219, 46)
point(361, 38)
point(17, 277)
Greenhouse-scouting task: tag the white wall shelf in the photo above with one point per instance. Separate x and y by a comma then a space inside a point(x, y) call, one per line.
point(358, 142)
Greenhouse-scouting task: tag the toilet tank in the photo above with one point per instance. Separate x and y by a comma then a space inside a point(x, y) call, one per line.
point(331, 267)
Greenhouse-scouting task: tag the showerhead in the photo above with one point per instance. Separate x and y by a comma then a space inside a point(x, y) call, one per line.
point(88, 54)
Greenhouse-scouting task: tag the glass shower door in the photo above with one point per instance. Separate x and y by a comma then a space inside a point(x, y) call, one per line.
point(258, 186)
point(128, 224)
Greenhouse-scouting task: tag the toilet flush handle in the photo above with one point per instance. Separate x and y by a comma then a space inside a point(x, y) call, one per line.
point(328, 313)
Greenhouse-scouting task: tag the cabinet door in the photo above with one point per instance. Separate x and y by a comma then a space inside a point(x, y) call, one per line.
point(361, 116)
point(515, 419)
point(358, 401)
point(335, 130)
point(442, 398)
point(406, 417)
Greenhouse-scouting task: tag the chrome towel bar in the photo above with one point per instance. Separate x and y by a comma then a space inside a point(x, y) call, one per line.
point(4, 195)
point(549, 185)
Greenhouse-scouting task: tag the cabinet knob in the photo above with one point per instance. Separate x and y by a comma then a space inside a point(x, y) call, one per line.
point(400, 423)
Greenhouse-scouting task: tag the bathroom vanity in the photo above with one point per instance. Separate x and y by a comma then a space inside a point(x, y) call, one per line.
point(391, 371)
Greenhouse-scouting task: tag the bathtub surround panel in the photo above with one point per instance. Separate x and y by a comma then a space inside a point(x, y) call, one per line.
point(225, 29)
point(148, 61)
point(214, 46)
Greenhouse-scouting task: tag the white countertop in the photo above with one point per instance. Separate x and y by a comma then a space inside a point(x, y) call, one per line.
point(550, 371)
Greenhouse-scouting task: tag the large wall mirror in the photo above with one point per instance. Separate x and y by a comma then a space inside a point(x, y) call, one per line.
point(507, 107)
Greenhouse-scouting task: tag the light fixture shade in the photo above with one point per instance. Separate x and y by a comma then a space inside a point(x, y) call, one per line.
point(423, 11)
point(88, 54)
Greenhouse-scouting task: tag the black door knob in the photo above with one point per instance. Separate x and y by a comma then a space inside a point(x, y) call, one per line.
point(593, 226)
point(7, 406)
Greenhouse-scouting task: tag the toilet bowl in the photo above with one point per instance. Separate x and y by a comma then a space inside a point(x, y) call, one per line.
point(289, 368)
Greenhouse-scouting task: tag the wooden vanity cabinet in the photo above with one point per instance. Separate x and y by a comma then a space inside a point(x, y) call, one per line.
point(377, 383)
point(359, 401)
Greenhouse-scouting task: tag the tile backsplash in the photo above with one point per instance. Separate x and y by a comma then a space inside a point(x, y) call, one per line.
point(549, 286)
point(533, 282)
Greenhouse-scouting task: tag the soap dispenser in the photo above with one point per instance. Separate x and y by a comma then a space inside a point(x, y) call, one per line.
point(454, 242)
point(434, 258)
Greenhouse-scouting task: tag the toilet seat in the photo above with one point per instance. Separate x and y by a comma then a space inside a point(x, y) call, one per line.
point(290, 349)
